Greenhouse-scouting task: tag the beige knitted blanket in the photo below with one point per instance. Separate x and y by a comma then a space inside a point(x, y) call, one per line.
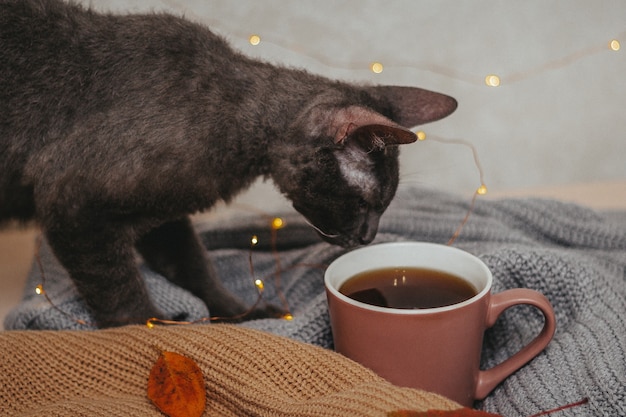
point(246, 372)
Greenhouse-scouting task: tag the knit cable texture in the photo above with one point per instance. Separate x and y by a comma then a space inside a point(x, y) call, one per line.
point(246, 372)
point(573, 255)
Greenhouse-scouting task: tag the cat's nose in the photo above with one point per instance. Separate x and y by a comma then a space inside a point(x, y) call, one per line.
point(369, 228)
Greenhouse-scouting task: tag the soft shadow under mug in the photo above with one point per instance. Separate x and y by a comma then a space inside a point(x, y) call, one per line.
point(434, 349)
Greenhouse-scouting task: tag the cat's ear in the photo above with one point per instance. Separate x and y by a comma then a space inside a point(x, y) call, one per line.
point(377, 137)
point(370, 129)
point(414, 106)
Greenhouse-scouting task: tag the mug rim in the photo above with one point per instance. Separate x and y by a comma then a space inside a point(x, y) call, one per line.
point(330, 287)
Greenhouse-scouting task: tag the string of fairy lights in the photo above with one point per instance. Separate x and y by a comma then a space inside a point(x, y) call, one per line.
point(491, 80)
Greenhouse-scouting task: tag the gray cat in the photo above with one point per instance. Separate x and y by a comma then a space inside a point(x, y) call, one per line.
point(113, 129)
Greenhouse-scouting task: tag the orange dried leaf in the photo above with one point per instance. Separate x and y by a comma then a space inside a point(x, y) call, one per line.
point(460, 412)
point(176, 386)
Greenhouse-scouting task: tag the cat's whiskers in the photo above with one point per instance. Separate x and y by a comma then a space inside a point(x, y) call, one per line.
point(320, 231)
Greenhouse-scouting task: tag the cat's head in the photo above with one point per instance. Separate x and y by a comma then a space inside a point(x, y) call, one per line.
point(340, 165)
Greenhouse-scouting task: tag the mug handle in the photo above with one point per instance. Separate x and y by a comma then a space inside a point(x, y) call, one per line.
point(487, 380)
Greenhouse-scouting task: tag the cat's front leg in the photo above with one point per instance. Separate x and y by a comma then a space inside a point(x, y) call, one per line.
point(101, 262)
point(174, 250)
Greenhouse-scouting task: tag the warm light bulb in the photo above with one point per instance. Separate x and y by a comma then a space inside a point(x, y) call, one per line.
point(492, 80)
point(277, 223)
point(614, 45)
point(376, 67)
point(259, 284)
point(421, 135)
point(482, 190)
point(39, 289)
point(255, 240)
point(254, 40)
point(288, 316)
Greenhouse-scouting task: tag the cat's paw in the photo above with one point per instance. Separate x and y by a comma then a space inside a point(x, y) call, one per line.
point(124, 318)
point(267, 311)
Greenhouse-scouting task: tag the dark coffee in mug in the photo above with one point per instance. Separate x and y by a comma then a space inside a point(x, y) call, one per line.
point(408, 288)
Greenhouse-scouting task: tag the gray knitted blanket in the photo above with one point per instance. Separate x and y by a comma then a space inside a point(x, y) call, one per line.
point(575, 256)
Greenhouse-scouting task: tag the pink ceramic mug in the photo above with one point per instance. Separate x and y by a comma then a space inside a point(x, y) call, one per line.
point(434, 349)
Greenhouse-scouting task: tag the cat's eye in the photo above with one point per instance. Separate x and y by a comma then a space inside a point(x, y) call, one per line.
point(363, 204)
